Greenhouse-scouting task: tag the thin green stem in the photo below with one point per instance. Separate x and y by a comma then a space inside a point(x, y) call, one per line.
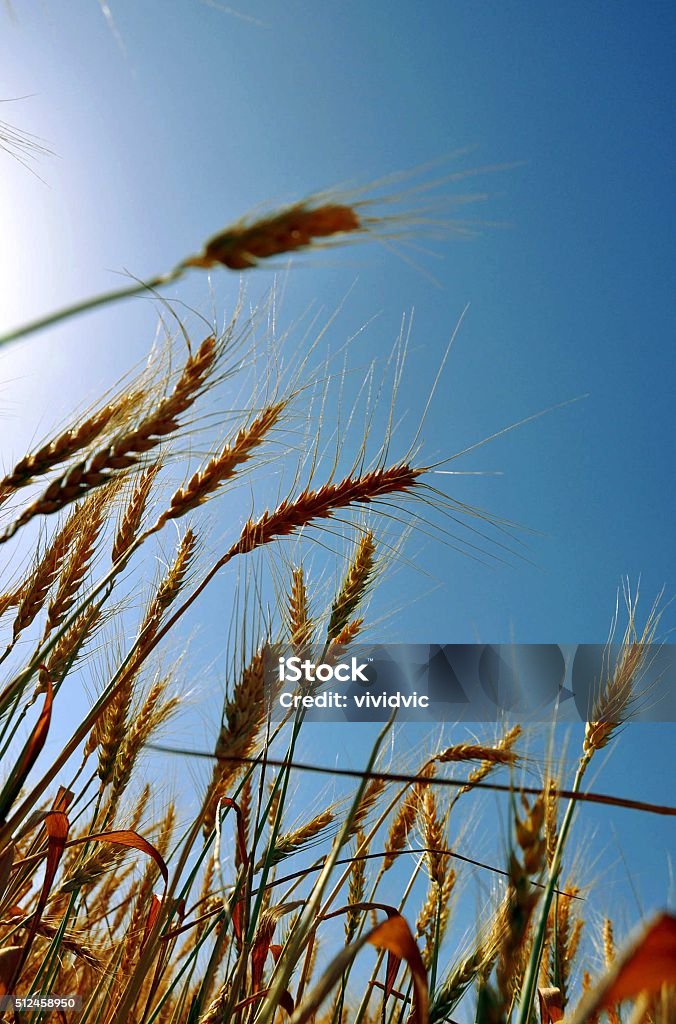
point(531, 976)
point(304, 925)
point(92, 303)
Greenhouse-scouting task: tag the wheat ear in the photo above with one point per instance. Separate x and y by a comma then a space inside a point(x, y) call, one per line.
point(92, 518)
point(34, 593)
point(296, 227)
point(221, 467)
point(523, 895)
point(130, 446)
point(433, 833)
point(356, 886)
point(404, 820)
point(111, 728)
point(478, 963)
point(294, 515)
point(69, 443)
point(477, 752)
point(130, 522)
point(354, 585)
point(244, 715)
point(299, 621)
point(505, 744)
point(613, 702)
point(290, 842)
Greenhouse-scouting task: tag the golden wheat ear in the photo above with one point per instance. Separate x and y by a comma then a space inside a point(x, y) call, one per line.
point(222, 467)
point(71, 442)
point(130, 446)
point(296, 227)
point(290, 842)
point(404, 820)
point(616, 692)
point(299, 624)
point(293, 515)
point(244, 715)
point(354, 586)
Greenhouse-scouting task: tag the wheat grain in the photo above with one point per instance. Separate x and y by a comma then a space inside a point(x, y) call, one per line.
point(348, 633)
point(9, 600)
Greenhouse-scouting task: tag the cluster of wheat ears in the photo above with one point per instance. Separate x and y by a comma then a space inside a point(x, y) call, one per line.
point(155, 917)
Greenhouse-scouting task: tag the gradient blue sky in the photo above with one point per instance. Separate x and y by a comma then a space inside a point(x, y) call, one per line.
point(200, 114)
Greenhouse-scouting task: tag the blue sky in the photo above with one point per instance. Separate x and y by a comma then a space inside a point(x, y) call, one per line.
point(198, 114)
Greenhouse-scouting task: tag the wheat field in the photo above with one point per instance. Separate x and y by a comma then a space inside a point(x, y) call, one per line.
point(172, 851)
point(127, 902)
